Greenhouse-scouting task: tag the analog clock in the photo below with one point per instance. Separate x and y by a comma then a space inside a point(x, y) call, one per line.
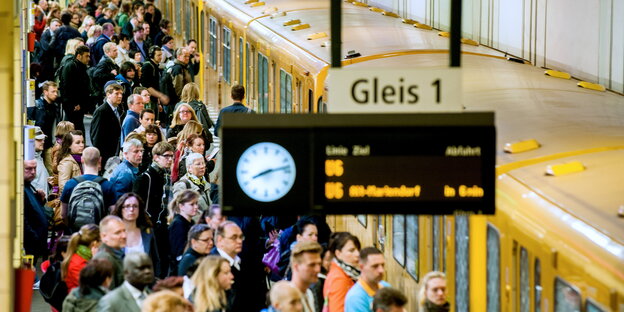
point(266, 171)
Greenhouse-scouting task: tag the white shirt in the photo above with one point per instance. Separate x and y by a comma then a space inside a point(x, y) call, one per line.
point(41, 178)
point(187, 287)
point(139, 296)
point(233, 262)
point(136, 248)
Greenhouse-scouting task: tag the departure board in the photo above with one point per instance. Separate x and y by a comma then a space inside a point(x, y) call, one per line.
point(359, 164)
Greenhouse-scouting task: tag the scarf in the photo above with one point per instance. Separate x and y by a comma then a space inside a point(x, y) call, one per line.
point(197, 181)
point(84, 252)
point(78, 159)
point(432, 307)
point(351, 271)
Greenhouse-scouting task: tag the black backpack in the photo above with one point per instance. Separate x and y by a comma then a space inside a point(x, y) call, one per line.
point(52, 288)
point(86, 203)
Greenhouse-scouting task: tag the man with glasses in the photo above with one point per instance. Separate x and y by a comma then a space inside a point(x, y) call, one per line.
point(125, 174)
point(155, 186)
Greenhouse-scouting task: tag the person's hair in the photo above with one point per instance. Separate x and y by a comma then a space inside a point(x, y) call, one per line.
point(302, 224)
point(131, 143)
point(143, 221)
point(72, 45)
point(180, 51)
point(339, 239)
point(54, 20)
point(169, 283)
point(126, 67)
point(66, 18)
point(387, 297)
point(279, 290)
point(53, 11)
point(208, 213)
point(85, 22)
point(190, 40)
point(365, 252)
point(123, 37)
point(209, 296)
point(91, 156)
point(190, 159)
point(132, 53)
point(107, 220)
point(181, 198)
point(221, 229)
point(109, 46)
point(80, 50)
point(132, 98)
point(137, 28)
point(166, 39)
point(136, 5)
point(115, 38)
point(238, 93)
point(113, 87)
point(152, 51)
point(108, 26)
point(93, 30)
point(176, 114)
point(165, 301)
point(94, 274)
point(64, 127)
point(47, 84)
point(162, 147)
point(68, 140)
point(138, 90)
point(164, 23)
point(155, 130)
point(191, 139)
point(135, 136)
point(304, 247)
point(195, 232)
point(422, 289)
point(59, 249)
point(190, 92)
point(87, 234)
point(191, 127)
point(126, 6)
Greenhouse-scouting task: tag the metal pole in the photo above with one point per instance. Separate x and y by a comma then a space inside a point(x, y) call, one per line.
point(336, 32)
point(456, 12)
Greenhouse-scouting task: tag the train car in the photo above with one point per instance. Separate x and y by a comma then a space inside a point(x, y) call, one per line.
point(556, 242)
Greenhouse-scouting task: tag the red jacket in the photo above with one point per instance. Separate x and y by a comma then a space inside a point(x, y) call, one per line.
point(336, 287)
point(76, 263)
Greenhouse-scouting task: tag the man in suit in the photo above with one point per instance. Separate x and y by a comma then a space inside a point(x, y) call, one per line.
point(129, 297)
point(106, 123)
point(105, 70)
point(97, 49)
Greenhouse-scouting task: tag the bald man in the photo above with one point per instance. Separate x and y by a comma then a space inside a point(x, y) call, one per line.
point(285, 297)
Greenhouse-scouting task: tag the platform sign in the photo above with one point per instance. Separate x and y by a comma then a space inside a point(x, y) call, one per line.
point(358, 164)
point(384, 90)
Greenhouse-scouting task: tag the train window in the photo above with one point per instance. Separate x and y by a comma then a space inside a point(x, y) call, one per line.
point(444, 238)
point(412, 245)
point(187, 22)
point(524, 281)
point(437, 242)
point(493, 269)
point(249, 68)
point(462, 292)
point(195, 33)
point(178, 20)
point(202, 32)
point(263, 83)
point(567, 298)
point(381, 232)
point(362, 219)
point(310, 101)
point(537, 296)
point(213, 42)
point(398, 238)
point(591, 306)
point(227, 55)
point(285, 92)
point(240, 60)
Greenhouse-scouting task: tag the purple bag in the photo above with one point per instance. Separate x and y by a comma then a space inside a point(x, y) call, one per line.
point(272, 257)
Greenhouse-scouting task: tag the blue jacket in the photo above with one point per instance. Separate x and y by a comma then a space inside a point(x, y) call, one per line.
point(123, 178)
point(35, 223)
point(237, 107)
point(360, 297)
point(130, 123)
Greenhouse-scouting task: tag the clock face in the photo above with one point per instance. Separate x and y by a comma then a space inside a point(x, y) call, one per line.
point(266, 171)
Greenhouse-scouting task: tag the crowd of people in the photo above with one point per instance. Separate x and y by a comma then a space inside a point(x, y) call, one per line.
point(132, 222)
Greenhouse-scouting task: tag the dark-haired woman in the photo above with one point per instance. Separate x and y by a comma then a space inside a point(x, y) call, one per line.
point(343, 272)
point(182, 209)
point(152, 135)
point(139, 229)
point(95, 279)
point(199, 244)
point(70, 158)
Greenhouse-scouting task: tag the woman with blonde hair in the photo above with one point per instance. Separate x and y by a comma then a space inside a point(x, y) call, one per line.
point(82, 247)
point(432, 293)
point(182, 149)
point(211, 279)
point(87, 24)
point(181, 115)
point(70, 158)
point(166, 301)
point(190, 96)
point(93, 33)
point(182, 209)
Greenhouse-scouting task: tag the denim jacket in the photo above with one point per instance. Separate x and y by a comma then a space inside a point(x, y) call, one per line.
point(123, 178)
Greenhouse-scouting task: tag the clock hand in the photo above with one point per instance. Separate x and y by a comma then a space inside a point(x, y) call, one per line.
point(269, 171)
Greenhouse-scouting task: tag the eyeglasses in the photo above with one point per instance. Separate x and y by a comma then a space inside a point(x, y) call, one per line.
point(131, 207)
point(168, 156)
point(204, 240)
point(236, 237)
point(185, 112)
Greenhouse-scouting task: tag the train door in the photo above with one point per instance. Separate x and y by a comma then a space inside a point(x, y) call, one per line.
point(263, 83)
point(240, 58)
point(214, 86)
point(493, 269)
point(249, 76)
point(285, 88)
point(462, 263)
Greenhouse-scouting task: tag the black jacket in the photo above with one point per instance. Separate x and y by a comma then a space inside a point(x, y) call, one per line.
point(35, 223)
point(106, 132)
point(44, 114)
point(59, 40)
point(150, 75)
point(178, 231)
point(149, 185)
point(75, 85)
point(144, 52)
point(102, 74)
point(97, 49)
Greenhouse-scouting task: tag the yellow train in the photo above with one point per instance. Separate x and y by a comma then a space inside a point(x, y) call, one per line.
point(556, 242)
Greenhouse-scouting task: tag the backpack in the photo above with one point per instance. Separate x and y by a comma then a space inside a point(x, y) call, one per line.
point(166, 86)
point(86, 203)
point(52, 288)
point(110, 166)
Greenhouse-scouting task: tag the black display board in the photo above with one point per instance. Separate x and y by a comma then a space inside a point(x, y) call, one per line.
point(358, 164)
